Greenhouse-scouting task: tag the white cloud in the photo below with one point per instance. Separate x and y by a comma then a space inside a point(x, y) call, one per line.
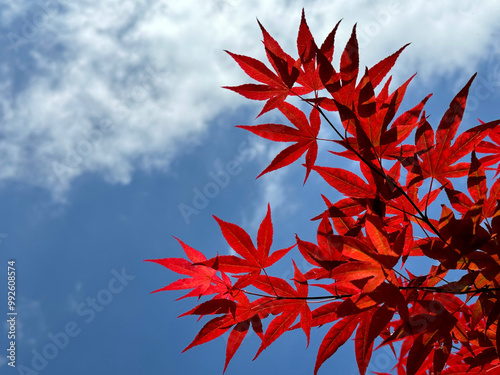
point(75, 297)
point(108, 87)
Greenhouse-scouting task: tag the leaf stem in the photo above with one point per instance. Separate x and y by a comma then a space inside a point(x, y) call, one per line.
point(380, 172)
point(433, 289)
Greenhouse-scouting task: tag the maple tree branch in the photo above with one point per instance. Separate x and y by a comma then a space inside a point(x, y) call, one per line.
point(340, 296)
point(423, 229)
point(438, 289)
point(327, 120)
point(400, 274)
point(382, 174)
point(403, 211)
point(433, 289)
point(366, 249)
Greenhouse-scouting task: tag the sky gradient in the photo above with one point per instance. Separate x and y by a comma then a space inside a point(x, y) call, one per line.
point(115, 135)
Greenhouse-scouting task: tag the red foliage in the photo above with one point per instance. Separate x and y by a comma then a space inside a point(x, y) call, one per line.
point(364, 238)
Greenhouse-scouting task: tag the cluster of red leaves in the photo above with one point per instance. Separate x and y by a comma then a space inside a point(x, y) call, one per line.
point(364, 238)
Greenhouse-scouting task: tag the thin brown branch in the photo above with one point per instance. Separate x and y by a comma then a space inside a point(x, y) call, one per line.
point(433, 289)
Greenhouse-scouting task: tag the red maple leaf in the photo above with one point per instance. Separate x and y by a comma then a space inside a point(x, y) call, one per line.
point(288, 305)
point(202, 279)
point(304, 135)
point(274, 87)
point(437, 153)
point(253, 260)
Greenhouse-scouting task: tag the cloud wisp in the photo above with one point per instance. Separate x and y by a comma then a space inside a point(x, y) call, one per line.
point(111, 87)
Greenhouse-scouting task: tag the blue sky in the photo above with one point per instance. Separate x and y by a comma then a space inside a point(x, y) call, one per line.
point(112, 119)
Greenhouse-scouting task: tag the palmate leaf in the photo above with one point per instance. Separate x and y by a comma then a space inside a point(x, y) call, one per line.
point(274, 87)
point(288, 306)
point(342, 85)
point(437, 153)
point(202, 279)
point(309, 53)
point(252, 260)
point(304, 135)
